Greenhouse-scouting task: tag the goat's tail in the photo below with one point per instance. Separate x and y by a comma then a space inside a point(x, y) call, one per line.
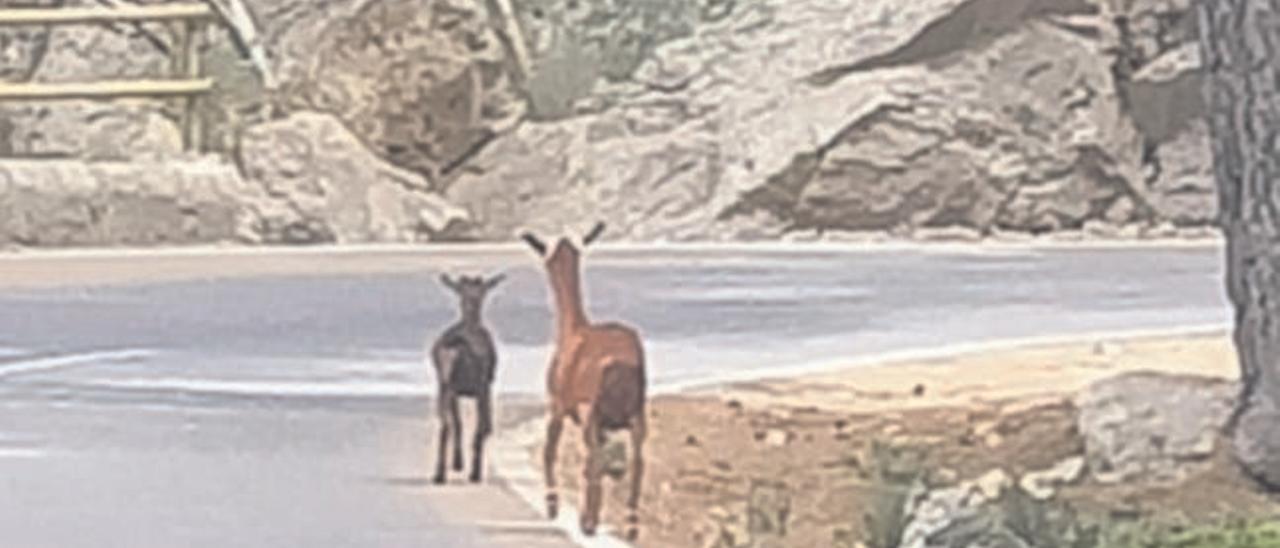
point(622, 396)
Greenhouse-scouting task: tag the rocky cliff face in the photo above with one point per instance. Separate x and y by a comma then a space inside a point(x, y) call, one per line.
point(758, 119)
point(675, 120)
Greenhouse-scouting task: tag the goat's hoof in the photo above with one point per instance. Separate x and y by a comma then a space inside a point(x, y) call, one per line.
point(457, 465)
point(633, 527)
point(475, 477)
point(588, 528)
point(553, 506)
point(438, 479)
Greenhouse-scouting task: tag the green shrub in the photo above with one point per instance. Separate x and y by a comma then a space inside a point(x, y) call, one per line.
point(1238, 534)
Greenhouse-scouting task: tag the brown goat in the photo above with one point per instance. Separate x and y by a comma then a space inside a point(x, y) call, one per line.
point(596, 378)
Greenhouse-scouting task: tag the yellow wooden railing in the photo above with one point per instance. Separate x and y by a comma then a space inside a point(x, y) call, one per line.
point(186, 82)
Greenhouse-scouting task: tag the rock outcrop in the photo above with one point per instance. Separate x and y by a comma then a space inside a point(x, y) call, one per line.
point(74, 203)
point(1145, 427)
point(706, 120)
point(932, 513)
point(754, 120)
point(319, 185)
point(424, 84)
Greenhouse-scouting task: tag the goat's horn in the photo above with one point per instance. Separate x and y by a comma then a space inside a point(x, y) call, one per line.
point(594, 234)
point(534, 242)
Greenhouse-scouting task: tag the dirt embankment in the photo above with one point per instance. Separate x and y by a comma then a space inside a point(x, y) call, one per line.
point(903, 452)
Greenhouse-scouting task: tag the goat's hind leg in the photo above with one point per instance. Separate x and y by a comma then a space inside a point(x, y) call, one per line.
point(456, 417)
point(442, 445)
point(592, 475)
point(639, 431)
point(484, 426)
point(555, 427)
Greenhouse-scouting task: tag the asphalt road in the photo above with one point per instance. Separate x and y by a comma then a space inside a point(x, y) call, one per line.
point(221, 404)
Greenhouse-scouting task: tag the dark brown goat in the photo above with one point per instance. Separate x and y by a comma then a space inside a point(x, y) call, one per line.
point(465, 362)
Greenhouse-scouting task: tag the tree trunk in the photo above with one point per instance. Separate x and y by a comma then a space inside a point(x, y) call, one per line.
point(1239, 43)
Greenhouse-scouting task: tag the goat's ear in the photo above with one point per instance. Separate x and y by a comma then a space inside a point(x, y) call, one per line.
point(494, 281)
point(448, 282)
point(594, 234)
point(538, 246)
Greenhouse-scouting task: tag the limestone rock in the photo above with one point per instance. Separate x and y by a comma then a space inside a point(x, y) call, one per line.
point(65, 203)
point(993, 483)
point(321, 184)
point(1043, 484)
point(805, 120)
point(89, 130)
point(423, 83)
point(776, 437)
point(984, 116)
point(934, 511)
point(1151, 427)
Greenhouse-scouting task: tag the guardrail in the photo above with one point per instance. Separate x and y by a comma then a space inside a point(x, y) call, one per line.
point(187, 82)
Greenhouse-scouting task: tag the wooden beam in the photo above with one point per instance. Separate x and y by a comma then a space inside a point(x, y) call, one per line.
point(191, 130)
point(70, 16)
point(103, 90)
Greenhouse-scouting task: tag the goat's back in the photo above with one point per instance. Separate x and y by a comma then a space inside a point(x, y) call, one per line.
point(602, 366)
point(465, 359)
point(621, 397)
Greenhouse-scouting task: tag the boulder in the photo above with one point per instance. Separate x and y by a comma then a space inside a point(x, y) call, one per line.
point(424, 83)
point(968, 516)
point(993, 483)
point(701, 120)
point(1150, 427)
point(90, 130)
point(1043, 484)
point(73, 203)
point(320, 184)
point(1158, 72)
point(933, 512)
point(1013, 520)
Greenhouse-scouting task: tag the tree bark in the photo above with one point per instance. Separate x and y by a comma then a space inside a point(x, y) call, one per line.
point(1239, 41)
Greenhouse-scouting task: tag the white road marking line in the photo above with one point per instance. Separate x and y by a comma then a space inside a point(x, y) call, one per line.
point(266, 387)
point(50, 363)
point(22, 453)
point(928, 353)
